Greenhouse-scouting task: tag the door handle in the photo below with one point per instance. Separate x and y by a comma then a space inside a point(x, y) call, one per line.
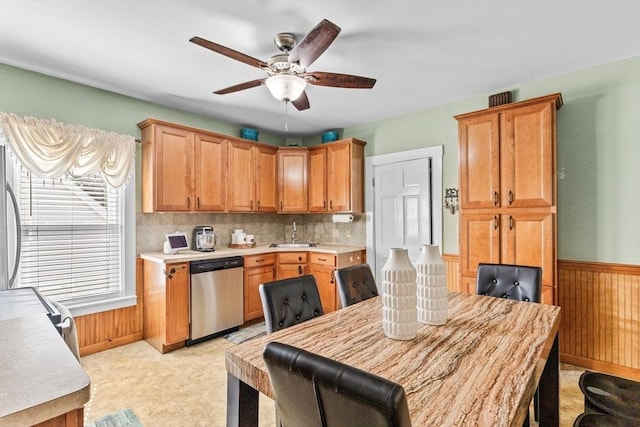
point(510, 197)
point(495, 198)
point(198, 202)
point(300, 270)
point(188, 202)
point(511, 223)
point(495, 222)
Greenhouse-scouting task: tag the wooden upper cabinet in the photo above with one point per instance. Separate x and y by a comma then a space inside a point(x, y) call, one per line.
point(292, 179)
point(479, 156)
point(508, 156)
point(317, 179)
point(167, 169)
point(182, 170)
point(336, 177)
point(252, 174)
point(528, 155)
point(210, 173)
point(266, 178)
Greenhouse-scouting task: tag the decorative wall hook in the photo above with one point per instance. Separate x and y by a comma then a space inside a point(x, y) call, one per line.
point(451, 200)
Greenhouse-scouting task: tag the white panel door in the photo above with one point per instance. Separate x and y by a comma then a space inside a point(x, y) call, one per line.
point(401, 208)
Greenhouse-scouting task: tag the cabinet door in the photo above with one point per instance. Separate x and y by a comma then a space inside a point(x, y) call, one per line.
point(177, 304)
point(266, 179)
point(210, 173)
point(286, 271)
point(479, 241)
point(339, 177)
point(527, 239)
point(292, 180)
point(241, 177)
point(173, 168)
point(527, 155)
point(479, 161)
point(326, 285)
point(318, 180)
point(253, 277)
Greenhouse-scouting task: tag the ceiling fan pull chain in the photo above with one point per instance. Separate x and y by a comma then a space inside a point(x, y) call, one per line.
point(286, 116)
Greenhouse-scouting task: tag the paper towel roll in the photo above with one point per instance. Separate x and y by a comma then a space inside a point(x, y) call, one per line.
point(343, 218)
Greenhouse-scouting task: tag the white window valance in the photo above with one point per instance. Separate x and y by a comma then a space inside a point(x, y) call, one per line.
point(51, 149)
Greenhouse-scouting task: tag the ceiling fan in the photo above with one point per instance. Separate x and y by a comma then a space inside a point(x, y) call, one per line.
point(288, 75)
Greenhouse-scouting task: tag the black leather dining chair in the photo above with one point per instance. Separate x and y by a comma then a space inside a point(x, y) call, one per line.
point(313, 391)
point(290, 301)
point(355, 284)
point(517, 282)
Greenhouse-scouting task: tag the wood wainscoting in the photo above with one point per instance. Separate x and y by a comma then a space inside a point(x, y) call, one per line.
point(113, 328)
point(600, 327)
point(600, 302)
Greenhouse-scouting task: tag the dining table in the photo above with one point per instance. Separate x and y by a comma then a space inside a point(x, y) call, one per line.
point(481, 368)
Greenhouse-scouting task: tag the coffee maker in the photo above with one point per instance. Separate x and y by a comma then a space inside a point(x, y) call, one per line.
point(203, 239)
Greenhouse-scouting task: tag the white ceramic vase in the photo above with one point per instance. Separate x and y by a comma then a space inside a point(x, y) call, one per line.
point(432, 286)
point(399, 310)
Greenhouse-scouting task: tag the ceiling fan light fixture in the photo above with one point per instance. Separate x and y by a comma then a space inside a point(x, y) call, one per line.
point(286, 87)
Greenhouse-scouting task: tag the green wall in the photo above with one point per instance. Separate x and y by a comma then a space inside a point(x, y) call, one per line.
point(598, 144)
point(598, 156)
point(31, 94)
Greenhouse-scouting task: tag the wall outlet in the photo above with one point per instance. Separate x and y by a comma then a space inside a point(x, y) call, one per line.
point(336, 232)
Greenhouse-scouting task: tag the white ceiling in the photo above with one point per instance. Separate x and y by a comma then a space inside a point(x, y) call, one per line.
point(422, 53)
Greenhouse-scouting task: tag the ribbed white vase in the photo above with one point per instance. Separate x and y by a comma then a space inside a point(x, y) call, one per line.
point(431, 279)
point(399, 312)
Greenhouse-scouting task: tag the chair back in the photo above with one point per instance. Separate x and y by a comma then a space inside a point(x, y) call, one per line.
point(290, 301)
point(518, 282)
point(355, 284)
point(313, 391)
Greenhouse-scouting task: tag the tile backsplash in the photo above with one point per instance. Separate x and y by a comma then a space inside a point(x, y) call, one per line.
point(267, 228)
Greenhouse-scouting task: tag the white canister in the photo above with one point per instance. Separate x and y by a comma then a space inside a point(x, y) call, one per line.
point(249, 239)
point(399, 300)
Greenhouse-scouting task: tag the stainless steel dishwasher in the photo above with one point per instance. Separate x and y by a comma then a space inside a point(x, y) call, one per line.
point(216, 301)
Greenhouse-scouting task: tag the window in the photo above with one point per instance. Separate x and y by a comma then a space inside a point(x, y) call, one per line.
point(73, 241)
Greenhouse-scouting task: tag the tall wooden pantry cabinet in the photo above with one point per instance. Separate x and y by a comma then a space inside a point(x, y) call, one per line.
point(508, 196)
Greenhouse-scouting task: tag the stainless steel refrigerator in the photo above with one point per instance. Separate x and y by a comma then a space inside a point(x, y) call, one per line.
point(9, 220)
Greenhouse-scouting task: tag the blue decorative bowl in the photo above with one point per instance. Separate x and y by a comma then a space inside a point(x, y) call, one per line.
point(248, 133)
point(330, 135)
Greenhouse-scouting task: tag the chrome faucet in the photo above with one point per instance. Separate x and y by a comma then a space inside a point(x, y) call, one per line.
point(294, 234)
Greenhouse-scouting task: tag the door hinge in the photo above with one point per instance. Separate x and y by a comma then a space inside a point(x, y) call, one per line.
point(373, 182)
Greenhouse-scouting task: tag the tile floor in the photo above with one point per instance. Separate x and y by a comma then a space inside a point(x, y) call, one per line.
point(187, 387)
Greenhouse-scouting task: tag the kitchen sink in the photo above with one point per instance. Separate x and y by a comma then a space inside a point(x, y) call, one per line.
point(293, 245)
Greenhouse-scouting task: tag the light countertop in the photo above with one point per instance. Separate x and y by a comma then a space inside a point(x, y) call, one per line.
point(39, 376)
point(223, 252)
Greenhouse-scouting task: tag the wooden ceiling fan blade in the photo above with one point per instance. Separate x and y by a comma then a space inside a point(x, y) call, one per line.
point(321, 78)
point(302, 102)
point(240, 86)
point(233, 54)
point(314, 43)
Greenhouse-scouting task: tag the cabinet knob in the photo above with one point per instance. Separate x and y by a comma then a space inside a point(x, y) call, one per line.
point(300, 270)
point(280, 204)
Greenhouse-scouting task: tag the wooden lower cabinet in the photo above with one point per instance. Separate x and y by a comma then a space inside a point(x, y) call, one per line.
point(257, 269)
point(166, 305)
point(292, 264)
point(323, 266)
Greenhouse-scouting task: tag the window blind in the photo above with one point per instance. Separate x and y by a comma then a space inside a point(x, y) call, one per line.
point(71, 237)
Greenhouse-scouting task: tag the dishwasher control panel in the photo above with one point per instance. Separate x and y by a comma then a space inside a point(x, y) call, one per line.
point(215, 264)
